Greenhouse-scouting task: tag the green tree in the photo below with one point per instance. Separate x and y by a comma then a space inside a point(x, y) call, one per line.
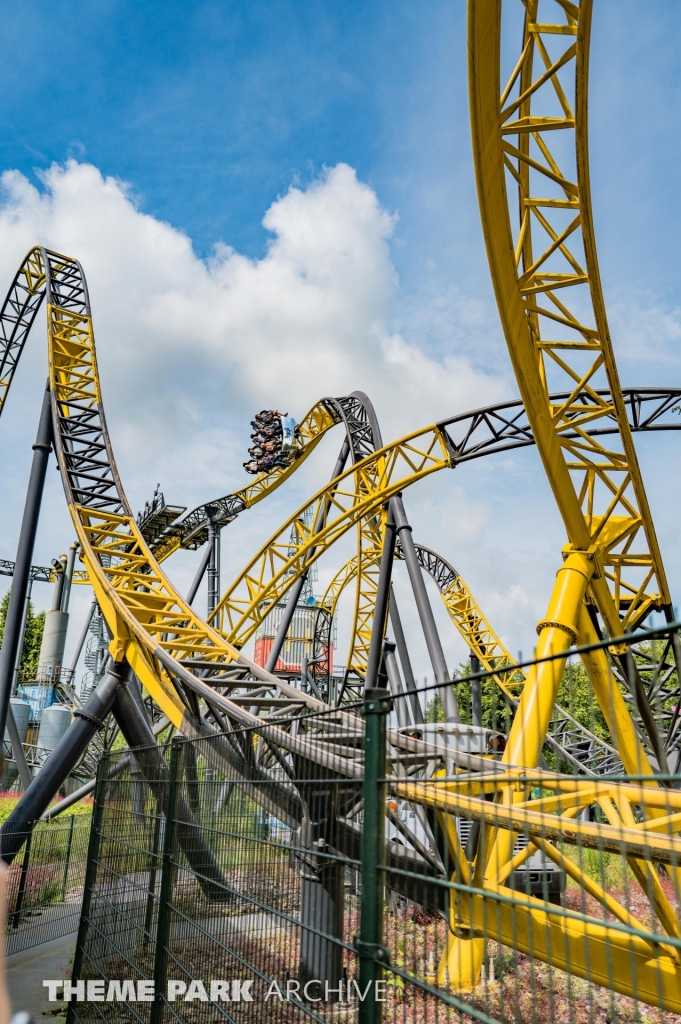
point(576, 696)
point(434, 710)
point(35, 623)
point(495, 712)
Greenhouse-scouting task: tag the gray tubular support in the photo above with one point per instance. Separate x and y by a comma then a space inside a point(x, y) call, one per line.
point(131, 716)
point(82, 638)
point(85, 790)
point(223, 796)
point(203, 565)
point(286, 619)
point(22, 565)
point(382, 601)
point(449, 702)
point(405, 661)
point(59, 765)
point(22, 637)
point(213, 569)
point(69, 801)
point(297, 588)
point(68, 576)
point(395, 684)
point(58, 589)
point(432, 637)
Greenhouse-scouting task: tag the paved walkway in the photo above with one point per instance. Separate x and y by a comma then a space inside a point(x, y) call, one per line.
point(26, 971)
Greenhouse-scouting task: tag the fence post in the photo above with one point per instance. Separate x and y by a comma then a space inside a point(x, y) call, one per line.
point(90, 873)
point(149, 913)
point(69, 843)
point(16, 917)
point(369, 945)
point(161, 956)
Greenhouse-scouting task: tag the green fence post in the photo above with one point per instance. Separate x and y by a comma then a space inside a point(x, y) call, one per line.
point(161, 957)
point(369, 945)
point(149, 914)
point(16, 917)
point(90, 874)
point(69, 842)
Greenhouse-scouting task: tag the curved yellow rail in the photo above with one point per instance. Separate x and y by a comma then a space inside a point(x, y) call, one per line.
point(530, 149)
point(538, 228)
point(464, 612)
point(320, 418)
point(152, 626)
point(368, 557)
point(352, 498)
point(167, 645)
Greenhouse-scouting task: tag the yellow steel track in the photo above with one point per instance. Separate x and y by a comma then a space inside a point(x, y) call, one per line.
point(350, 500)
point(530, 148)
point(481, 639)
point(538, 228)
point(312, 428)
point(163, 639)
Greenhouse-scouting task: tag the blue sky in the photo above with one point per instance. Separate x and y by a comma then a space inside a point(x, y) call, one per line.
point(210, 112)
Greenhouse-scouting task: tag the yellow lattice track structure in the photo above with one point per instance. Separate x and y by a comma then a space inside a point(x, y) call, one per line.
point(538, 227)
point(312, 428)
point(530, 146)
point(165, 642)
point(349, 500)
point(364, 605)
point(465, 614)
point(529, 129)
point(565, 732)
point(627, 959)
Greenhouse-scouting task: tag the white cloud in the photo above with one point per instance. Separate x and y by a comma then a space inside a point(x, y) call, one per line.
point(185, 340)
point(188, 348)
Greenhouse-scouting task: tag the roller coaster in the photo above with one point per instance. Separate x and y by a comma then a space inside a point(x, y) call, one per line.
point(169, 665)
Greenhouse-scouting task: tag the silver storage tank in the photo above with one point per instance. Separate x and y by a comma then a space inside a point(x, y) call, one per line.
point(54, 639)
point(22, 714)
point(53, 724)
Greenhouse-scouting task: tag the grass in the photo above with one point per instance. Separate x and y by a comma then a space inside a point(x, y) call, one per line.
point(9, 800)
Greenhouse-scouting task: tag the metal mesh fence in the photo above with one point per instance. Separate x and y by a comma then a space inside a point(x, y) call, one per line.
point(200, 874)
point(45, 885)
point(343, 864)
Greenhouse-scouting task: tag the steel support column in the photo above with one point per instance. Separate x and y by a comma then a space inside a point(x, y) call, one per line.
point(395, 685)
point(22, 637)
point(203, 565)
point(382, 599)
point(213, 567)
point(405, 660)
point(432, 637)
point(321, 897)
point(297, 588)
point(369, 943)
point(130, 714)
point(18, 750)
point(61, 762)
point(22, 565)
